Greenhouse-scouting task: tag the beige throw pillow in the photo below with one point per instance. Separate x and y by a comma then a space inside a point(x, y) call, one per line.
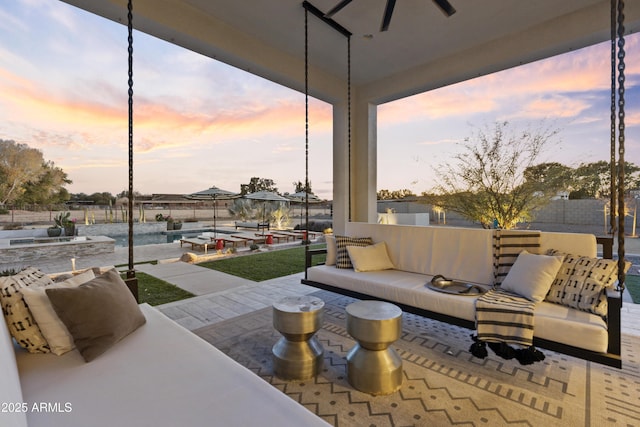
point(531, 275)
point(331, 249)
point(370, 258)
point(342, 256)
point(54, 331)
point(98, 314)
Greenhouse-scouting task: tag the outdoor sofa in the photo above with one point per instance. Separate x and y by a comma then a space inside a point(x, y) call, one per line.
point(160, 374)
point(417, 254)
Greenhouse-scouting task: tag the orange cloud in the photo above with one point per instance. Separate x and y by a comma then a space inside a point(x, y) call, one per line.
point(553, 106)
point(85, 123)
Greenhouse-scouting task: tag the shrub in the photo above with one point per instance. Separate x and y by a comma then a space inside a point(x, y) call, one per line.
point(13, 226)
point(315, 226)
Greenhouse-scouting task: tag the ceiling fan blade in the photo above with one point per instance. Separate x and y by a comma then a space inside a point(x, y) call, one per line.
point(388, 11)
point(446, 7)
point(337, 8)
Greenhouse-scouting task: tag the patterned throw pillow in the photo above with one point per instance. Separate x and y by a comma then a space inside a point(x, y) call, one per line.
point(20, 321)
point(342, 256)
point(582, 281)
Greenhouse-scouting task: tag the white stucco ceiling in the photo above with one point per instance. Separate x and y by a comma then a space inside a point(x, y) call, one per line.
point(423, 48)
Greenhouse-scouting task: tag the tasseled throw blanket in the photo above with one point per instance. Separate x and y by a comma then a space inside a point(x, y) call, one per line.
point(503, 318)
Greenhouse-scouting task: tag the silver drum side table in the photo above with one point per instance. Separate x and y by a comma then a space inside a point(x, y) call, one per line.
point(297, 355)
point(372, 366)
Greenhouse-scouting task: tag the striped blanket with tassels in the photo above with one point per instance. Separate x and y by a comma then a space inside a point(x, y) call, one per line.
point(504, 317)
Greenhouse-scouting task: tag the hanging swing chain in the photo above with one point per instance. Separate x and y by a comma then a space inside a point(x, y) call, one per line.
point(621, 149)
point(349, 121)
point(306, 124)
point(130, 272)
point(612, 161)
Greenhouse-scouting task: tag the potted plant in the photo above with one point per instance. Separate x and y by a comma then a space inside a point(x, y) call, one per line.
point(177, 224)
point(70, 228)
point(63, 222)
point(54, 231)
point(170, 222)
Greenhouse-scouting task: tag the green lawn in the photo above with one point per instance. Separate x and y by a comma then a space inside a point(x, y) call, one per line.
point(633, 286)
point(264, 265)
point(155, 291)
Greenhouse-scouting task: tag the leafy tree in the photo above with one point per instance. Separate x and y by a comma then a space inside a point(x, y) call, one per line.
point(395, 194)
point(19, 164)
point(487, 181)
point(48, 188)
point(550, 177)
point(299, 187)
point(103, 198)
point(258, 184)
point(125, 193)
point(593, 180)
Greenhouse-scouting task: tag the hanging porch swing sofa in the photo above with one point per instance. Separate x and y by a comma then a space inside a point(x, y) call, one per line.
point(414, 255)
point(418, 253)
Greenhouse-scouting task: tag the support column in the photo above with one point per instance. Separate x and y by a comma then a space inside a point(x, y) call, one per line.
point(362, 176)
point(340, 168)
point(364, 163)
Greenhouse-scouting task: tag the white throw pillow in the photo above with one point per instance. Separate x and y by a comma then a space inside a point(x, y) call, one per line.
point(331, 249)
point(370, 258)
point(54, 331)
point(531, 275)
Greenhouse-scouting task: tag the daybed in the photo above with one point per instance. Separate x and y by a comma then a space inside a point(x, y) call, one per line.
point(159, 375)
point(418, 253)
point(198, 242)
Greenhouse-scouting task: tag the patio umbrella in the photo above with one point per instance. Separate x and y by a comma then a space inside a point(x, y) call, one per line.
point(214, 193)
point(301, 197)
point(266, 196)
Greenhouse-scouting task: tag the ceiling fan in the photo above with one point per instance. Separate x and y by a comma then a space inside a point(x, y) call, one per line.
point(444, 5)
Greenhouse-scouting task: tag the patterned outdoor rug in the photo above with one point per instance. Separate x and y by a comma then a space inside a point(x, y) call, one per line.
point(443, 384)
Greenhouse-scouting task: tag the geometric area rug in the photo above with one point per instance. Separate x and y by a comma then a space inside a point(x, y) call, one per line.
point(443, 383)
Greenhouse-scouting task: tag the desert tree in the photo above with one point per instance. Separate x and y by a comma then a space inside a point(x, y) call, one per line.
point(19, 164)
point(487, 182)
point(47, 188)
point(258, 184)
point(385, 194)
point(593, 180)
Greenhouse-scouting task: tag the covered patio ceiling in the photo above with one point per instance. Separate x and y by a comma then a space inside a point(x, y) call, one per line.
point(422, 50)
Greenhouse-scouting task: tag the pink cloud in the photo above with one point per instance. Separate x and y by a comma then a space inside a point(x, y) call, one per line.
point(85, 122)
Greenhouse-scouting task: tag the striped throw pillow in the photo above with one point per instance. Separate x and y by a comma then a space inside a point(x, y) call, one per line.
point(342, 255)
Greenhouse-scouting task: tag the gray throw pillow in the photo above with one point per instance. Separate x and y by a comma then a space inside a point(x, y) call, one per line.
point(97, 314)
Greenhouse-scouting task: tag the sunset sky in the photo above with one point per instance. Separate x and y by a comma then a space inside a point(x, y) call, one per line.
point(198, 122)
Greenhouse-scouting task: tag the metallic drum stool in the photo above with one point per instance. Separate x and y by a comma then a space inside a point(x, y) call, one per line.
point(372, 366)
point(298, 354)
